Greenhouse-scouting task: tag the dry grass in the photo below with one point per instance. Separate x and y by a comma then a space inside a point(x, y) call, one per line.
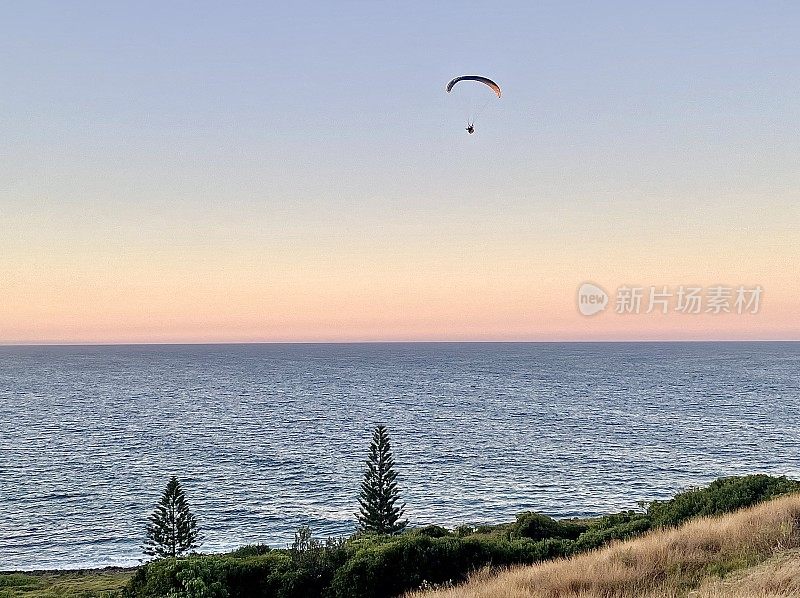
point(777, 578)
point(687, 561)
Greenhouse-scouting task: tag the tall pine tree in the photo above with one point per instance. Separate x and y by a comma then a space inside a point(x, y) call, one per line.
point(379, 512)
point(172, 529)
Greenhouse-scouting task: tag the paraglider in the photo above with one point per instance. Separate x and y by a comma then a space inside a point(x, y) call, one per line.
point(472, 112)
point(485, 80)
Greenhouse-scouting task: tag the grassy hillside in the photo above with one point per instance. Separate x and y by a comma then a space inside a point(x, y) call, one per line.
point(779, 577)
point(701, 558)
point(101, 583)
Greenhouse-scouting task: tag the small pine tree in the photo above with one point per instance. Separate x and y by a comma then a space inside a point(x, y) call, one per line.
point(379, 512)
point(172, 529)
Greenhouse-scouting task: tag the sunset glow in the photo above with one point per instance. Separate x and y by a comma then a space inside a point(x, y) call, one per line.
point(214, 205)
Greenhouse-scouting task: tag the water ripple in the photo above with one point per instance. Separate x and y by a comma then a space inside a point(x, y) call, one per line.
point(268, 437)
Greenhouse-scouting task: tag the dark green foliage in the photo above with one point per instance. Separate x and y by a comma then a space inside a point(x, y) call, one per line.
point(536, 526)
point(616, 519)
point(172, 529)
point(721, 496)
point(193, 577)
point(379, 513)
point(596, 536)
point(374, 569)
point(500, 530)
point(431, 531)
point(310, 553)
point(303, 542)
point(465, 530)
point(250, 550)
point(406, 563)
point(267, 576)
point(381, 566)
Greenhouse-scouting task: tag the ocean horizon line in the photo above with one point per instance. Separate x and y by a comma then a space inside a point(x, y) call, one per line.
point(398, 342)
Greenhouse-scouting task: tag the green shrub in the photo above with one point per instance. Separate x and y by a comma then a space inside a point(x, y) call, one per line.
point(595, 537)
point(192, 577)
point(721, 496)
point(277, 574)
point(431, 531)
point(500, 530)
point(200, 578)
point(250, 550)
point(228, 576)
point(536, 526)
point(387, 570)
point(614, 520)
point(462, 531)
point(375, 566)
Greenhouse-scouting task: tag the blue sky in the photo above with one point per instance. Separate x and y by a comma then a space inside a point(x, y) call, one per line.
point(305, 81)
point(308, 126)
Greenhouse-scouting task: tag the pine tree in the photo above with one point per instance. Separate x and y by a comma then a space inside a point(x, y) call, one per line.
point(379, 512)
point(172, 530)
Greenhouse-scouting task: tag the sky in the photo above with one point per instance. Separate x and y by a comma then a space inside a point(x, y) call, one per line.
point(257, 171)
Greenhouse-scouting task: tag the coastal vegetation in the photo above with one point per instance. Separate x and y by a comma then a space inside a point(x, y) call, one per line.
point(386, 558)
point(379, 513)
point(699, 559)
point(172, 529)
point(96, 583)
point(378, 566)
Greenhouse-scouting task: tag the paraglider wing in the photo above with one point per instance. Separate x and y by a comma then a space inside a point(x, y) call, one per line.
point(495, 87)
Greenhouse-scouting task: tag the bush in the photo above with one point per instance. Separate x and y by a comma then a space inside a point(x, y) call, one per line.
point(250, 550)
point(387, 570)
point(614, 520)
point(430, 531)
point(595, 537)
point(375, 566)
point(192, 577)
point(721, 496)
point(465, 530)
point(200, 578)
point(277, 574)
point(240, 577)
point(536, 526)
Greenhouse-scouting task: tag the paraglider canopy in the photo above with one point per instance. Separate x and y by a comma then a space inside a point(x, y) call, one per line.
point(475, 102)
point(485, 80)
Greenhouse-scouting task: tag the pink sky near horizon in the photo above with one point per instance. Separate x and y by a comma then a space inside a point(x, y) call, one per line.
point(373, 291)
point(413, 270)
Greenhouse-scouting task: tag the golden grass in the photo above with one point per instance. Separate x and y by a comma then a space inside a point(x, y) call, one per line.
point(665, 564)
point(777, 578)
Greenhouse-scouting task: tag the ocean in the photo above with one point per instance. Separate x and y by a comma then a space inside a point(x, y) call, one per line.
point(268, 437)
